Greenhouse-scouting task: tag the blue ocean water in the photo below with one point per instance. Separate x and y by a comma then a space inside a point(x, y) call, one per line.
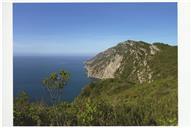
point(29, 71)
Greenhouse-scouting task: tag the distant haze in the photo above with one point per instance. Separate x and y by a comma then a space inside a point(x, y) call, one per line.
point(89, 28)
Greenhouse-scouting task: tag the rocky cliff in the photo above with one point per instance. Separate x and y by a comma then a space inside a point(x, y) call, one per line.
point(132, 60)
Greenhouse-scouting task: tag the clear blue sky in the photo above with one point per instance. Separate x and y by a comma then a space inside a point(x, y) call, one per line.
point(84, 28)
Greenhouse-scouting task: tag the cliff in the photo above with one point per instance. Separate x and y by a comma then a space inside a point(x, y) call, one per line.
point(133, 60)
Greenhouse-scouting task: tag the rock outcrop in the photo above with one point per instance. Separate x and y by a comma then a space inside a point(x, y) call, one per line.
point(103, 69)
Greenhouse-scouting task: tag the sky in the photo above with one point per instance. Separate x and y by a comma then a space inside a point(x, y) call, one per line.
point(89, 28)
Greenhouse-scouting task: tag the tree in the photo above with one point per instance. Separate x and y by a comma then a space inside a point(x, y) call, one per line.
point(55, 84)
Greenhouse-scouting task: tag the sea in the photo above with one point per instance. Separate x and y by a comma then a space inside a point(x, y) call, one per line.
point(29, 72)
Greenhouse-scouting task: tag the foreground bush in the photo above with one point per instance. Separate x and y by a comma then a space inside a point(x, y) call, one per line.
point(97, 112)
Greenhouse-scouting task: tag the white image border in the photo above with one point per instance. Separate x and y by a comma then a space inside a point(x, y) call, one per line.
point(184, 59)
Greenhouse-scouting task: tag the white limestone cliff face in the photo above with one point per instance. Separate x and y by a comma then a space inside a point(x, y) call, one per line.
point(103, 70)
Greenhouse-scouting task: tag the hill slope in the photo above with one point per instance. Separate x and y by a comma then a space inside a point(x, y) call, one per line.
point(139, 80)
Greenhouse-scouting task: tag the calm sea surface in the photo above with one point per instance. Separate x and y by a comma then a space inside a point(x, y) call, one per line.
point(30, 71)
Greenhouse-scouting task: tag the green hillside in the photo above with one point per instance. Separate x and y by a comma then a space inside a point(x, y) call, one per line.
point(153, 102)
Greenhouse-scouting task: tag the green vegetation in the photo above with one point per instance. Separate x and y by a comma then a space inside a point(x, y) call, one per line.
point(152, 104)
point(56, 80)
point(134, 104)
point(55, 83)
point(118, 101)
